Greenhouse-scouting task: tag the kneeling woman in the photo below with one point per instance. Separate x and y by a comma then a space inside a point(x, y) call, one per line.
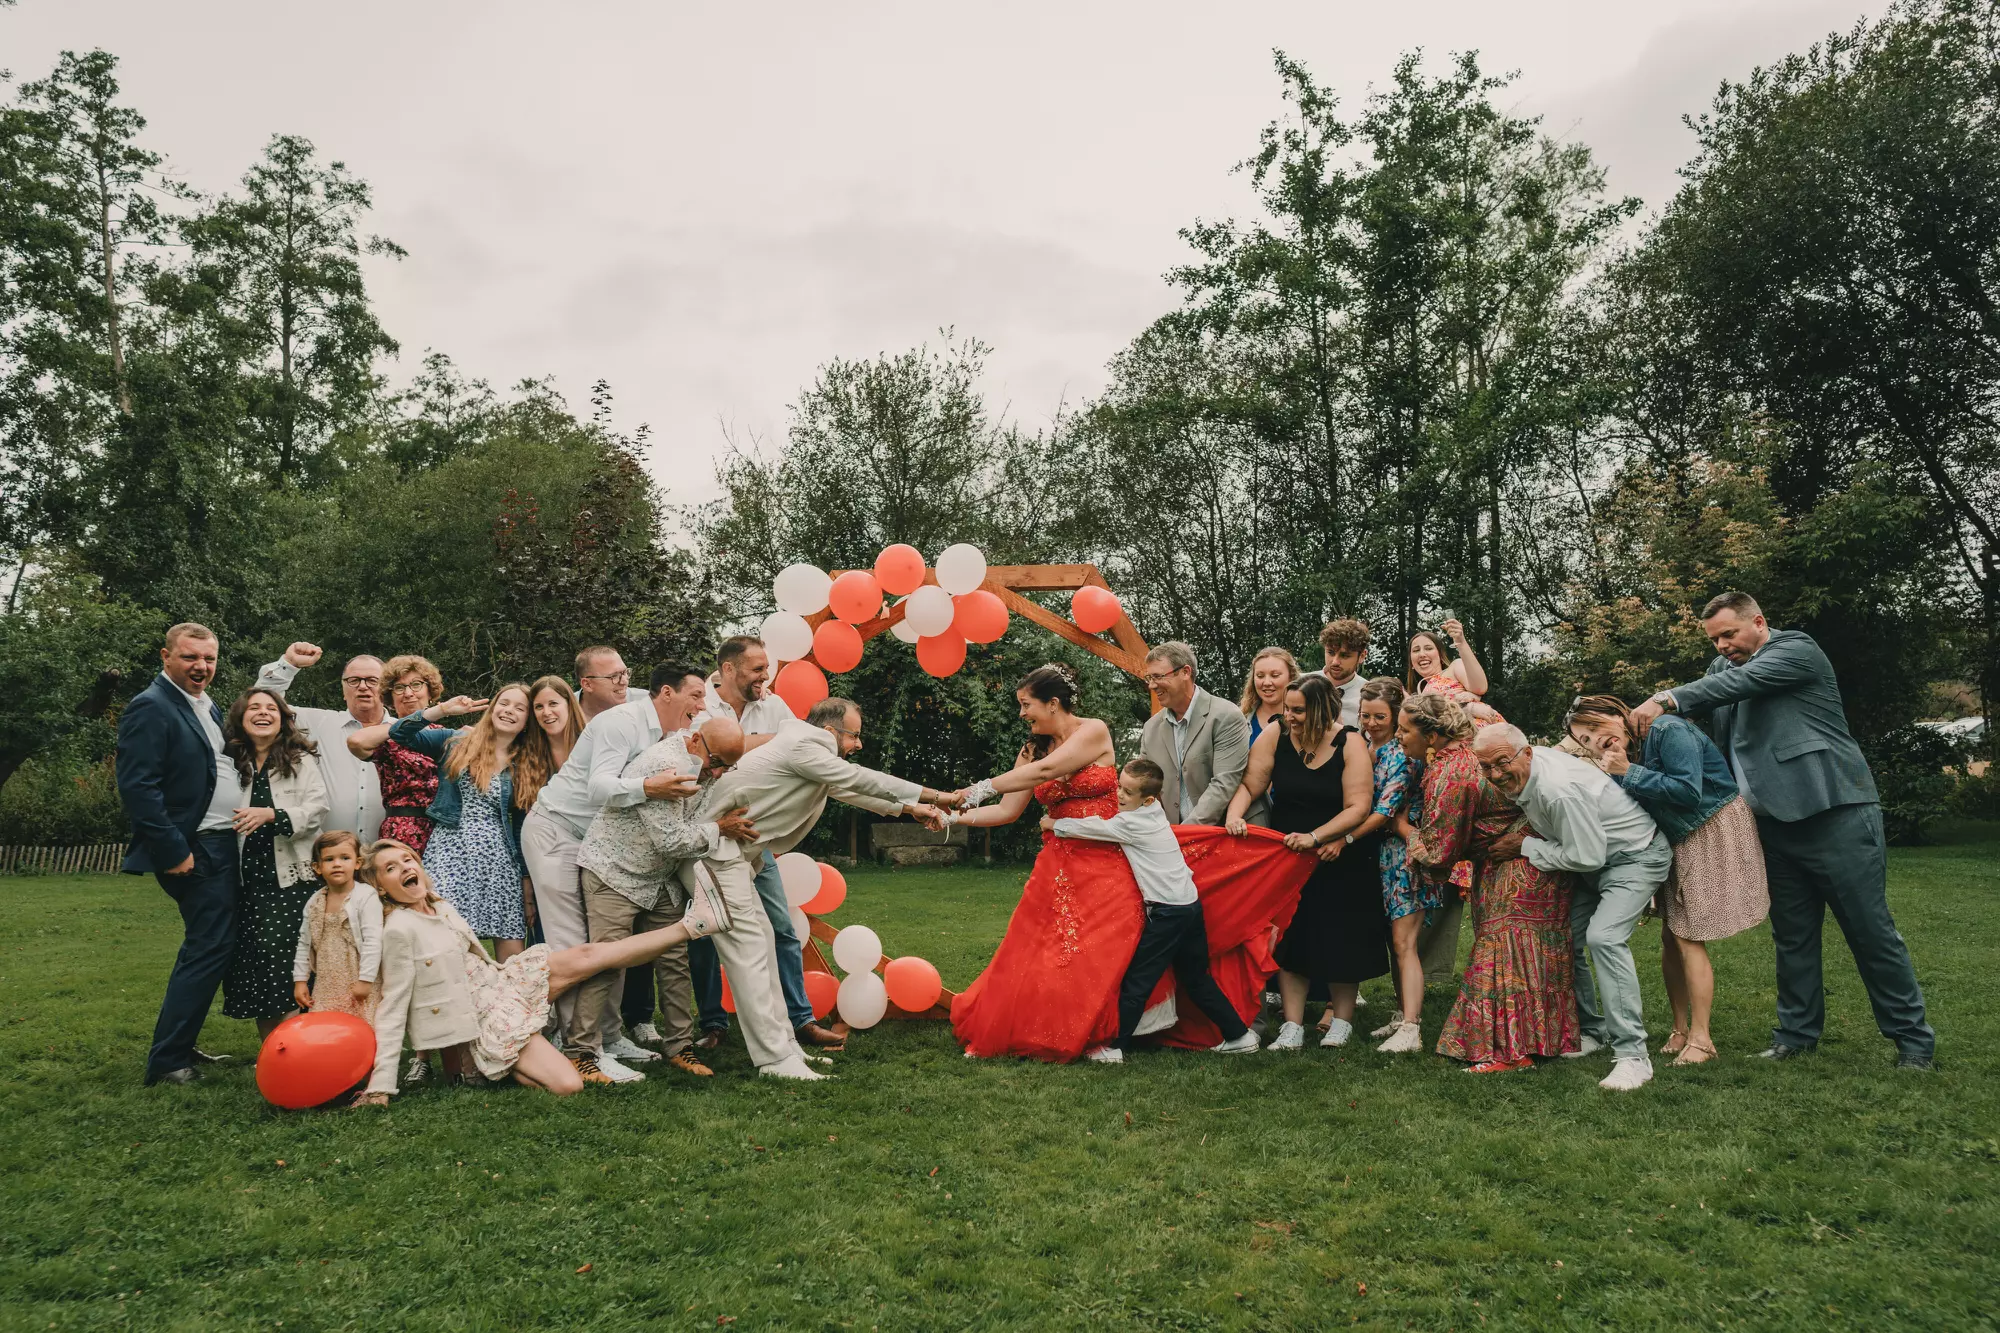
point(446, 993)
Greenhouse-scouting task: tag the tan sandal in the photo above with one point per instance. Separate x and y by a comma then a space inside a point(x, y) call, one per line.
point(1696, 1053)
point(1675, 1042)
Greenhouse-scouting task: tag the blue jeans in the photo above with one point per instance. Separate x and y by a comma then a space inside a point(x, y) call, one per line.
point(791, 949)
point(707, 972)
point(206, 896)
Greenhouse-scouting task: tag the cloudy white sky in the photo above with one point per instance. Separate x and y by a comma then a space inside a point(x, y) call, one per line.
point(701, 203)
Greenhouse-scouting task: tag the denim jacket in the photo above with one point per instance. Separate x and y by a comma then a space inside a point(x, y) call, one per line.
point(415, 733)
point(1681, 778)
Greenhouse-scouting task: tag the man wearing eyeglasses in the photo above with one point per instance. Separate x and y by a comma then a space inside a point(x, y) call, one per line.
point(1585, 824)
point(353, 789)
point(602, 680)
point(1202, 745)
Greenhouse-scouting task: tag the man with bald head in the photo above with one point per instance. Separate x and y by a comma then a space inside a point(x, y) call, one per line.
point(628, 865)
point(353, 789)
point(1585, 824)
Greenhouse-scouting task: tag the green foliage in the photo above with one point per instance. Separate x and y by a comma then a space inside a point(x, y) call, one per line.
point(56, 801)
point(1913, 770)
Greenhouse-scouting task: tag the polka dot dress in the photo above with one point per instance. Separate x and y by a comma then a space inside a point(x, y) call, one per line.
point(259, 981)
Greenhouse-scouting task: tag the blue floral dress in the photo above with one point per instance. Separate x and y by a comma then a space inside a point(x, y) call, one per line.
point(1396, 782)
point(472, 867)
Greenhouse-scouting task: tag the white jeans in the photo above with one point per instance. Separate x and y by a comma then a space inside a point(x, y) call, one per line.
point(550, 851)
point(748, 950)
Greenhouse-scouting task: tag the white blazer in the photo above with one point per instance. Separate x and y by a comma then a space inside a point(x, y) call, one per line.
point(364, 922)
point(302, 796)
point(425, 990)
point(785, 782)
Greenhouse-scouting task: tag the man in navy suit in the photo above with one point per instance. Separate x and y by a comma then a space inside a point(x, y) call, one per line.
point(182, 794)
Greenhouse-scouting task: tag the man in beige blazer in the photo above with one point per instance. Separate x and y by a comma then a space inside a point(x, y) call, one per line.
point(1201, 743)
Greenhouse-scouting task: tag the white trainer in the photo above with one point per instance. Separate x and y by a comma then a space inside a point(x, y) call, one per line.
point(1388, 1029)
point(1628, 1074)
point(630, 1051)
point(1337, 1033)
point(616, 1072)
point(792, 1067)
point(647, 1033)
point(1242, 1045)
point(1361, 1002)
point(419, 1070)
point(1407, 1039)
point(1106, 1055)
point(1585, 1045)
point(1291, 1037)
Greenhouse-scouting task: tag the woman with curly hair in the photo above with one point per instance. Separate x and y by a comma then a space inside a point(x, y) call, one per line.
point(409, 779)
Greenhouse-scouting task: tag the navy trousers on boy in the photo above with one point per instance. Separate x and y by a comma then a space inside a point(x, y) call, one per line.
point(1175, 936)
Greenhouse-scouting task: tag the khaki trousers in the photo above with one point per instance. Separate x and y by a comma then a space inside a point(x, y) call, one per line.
point(1437, 943)
point(551, 851)
point(748, 951)
point(610, 915)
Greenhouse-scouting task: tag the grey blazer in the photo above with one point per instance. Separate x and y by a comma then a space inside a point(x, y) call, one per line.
point(1200, 784)
point(1779, 719)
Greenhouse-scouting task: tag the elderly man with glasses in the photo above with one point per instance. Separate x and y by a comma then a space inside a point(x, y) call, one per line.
point(1583, 822)
point(1201, 744)
point(352, 785)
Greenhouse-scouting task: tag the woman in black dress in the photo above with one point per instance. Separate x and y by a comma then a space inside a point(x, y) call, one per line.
point(1322, 788)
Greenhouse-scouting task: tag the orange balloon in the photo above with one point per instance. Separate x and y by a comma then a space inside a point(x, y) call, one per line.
point(979, 615)
point(728, 995)
point(832, 892)
point(855, 597)
point(914, 985)
point(900, 569)
point(939, 654)
point(310, 1059)
point(1094, 609)
point(800, 685)
point(822, 989)
point(837, 646)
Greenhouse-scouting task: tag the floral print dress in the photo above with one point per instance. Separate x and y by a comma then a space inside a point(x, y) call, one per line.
point(1395, 785)
point(409, 785)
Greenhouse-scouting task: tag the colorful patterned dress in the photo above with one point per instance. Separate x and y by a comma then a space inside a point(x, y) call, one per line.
point(409, 785)
point(1402, 892)
point(1516, 999)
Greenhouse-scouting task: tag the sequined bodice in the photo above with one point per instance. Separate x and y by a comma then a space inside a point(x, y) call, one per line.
point(1092, 790)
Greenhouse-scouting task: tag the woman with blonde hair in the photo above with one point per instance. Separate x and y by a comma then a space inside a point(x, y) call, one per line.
point(1272, 672)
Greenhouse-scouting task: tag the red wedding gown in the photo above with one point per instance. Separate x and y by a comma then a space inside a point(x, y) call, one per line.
point(1051, 991)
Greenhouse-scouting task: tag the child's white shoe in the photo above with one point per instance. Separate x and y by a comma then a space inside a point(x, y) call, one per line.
point(1106, 1055)
point(1242, 1045)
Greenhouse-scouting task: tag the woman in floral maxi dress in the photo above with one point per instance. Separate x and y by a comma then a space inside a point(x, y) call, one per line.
point(1516, 1000)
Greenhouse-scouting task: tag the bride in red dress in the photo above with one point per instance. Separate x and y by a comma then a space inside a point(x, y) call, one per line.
point(1051, 991)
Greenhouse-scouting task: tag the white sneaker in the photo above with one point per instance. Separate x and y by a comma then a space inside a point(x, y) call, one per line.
point(706, 913)
point(1106, 1055)
point(1337, 1033)
point(647, 1033)
point(1361, 1002)
point(419, 1070)
point(1585, 1045)
point(823, 1060)
point(1242, 1045)
point(1628, 1073)
point(616, 1072)
point(626, 1049)
point(1388, 1029)
point(792, 1067)
point(1291, 1037)
point(1407, 1039)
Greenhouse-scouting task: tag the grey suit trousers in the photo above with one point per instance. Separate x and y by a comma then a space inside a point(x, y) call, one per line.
point(1835, 859)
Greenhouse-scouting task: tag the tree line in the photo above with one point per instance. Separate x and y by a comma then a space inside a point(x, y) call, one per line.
point(1439, 370)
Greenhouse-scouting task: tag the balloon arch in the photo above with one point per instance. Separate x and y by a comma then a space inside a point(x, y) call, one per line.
point(818, 630)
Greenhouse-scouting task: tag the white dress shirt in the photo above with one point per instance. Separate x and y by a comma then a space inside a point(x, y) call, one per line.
point(760, 717)
point(1347, 697)
point(1582, 817)
point(1151, 849)
point(230, 794)
point(353, 785)
point(594, 777)
point(784, 784)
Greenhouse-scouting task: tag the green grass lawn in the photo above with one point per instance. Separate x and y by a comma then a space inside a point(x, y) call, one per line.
point(923, 1191)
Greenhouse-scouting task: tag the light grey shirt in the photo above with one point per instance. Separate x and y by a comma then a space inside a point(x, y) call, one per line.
point(1151, 849)
point(637, 849)
point(353, 785)
point(594, 777)
point(1582, 817)
point(1347, 696)
point(1179, 726)
point(230, 795)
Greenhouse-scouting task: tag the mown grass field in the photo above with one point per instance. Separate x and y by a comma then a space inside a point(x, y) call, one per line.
point(925, 1191)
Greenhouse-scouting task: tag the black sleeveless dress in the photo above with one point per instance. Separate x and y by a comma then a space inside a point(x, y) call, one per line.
point(1340, 933)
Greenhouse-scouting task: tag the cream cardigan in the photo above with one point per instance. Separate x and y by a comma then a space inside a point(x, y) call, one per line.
point(302, 796)
point(364, 922)
point(425, 993)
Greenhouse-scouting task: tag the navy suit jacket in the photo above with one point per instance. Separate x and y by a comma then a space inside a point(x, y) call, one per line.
point(166, 775)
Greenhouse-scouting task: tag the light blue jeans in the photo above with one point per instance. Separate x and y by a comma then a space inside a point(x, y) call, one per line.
point(1603, 914)
point(791, 949)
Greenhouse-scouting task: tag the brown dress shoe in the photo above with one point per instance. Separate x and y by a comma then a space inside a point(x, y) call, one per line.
point(812, 1034)
point(710, 1039)
point(687, 1064)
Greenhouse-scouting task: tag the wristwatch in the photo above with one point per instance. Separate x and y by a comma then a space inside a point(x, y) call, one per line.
point(1665, 699)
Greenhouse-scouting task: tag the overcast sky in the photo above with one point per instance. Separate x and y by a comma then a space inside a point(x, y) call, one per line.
point(701, 203)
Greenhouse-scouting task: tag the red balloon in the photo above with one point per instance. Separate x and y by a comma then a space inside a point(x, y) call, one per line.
point(979, 615)
point(1094, 609)
point(914, 985)
point(800, 685)
point(822, 989)
point(837, 646)
point(940, 654)
point(728, 995)
point(309, 1059)
point(832, 892)
point(900, 569)
point(855, 597)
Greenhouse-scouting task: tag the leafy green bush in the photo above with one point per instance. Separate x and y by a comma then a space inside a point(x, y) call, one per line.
point(1977, 798)
point(59, 802)
point(1911, 768)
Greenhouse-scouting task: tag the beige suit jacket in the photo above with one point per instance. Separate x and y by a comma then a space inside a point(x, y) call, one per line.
point(784, 784)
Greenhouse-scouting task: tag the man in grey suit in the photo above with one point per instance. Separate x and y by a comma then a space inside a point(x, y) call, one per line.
point(1774, 708)
point(1199, 742)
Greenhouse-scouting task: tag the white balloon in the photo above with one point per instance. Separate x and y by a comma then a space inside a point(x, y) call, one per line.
point(960, 569)
point(801, 925)
point(863, 999)
point(800, 875)
point(857, 949)
point(802, 589)
point(928, 610)
point(786, 636)
point(901, 629)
